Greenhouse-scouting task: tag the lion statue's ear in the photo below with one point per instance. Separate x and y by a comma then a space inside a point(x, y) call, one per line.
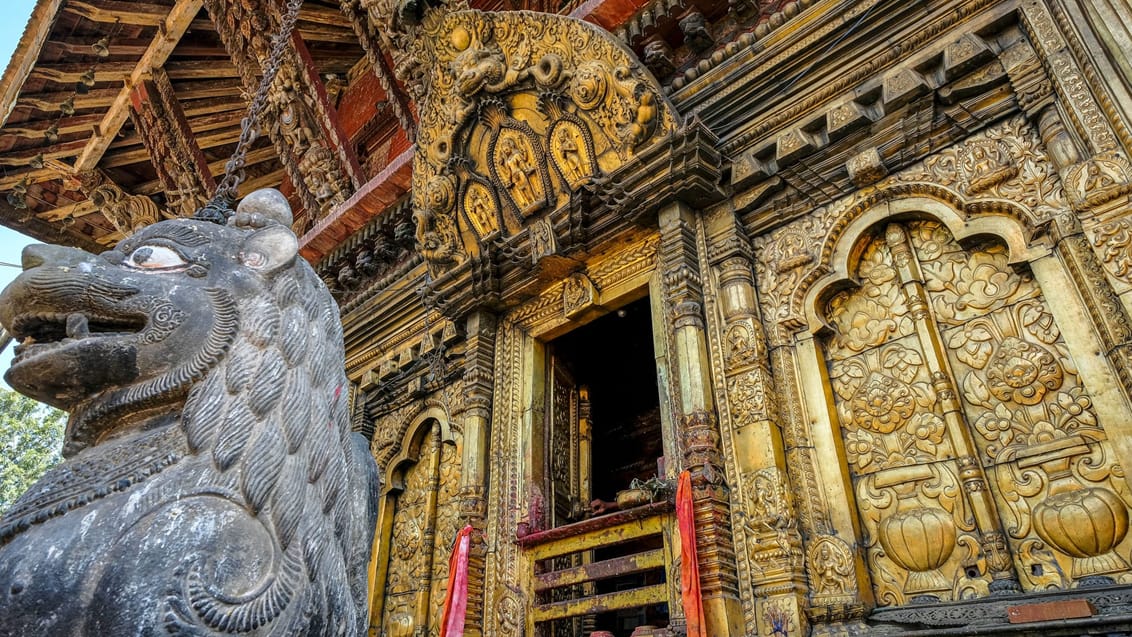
point(269, 249)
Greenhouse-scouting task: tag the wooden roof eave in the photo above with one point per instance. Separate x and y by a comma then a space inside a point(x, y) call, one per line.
point(27, 53)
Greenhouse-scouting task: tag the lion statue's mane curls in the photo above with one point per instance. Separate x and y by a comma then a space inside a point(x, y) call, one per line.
point(211, 484)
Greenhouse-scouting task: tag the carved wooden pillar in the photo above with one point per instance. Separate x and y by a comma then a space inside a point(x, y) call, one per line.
point(302, 124)
point(699, 428)
point(767, 529)
point(370, 40)
point(173, 150)
point(479, 379)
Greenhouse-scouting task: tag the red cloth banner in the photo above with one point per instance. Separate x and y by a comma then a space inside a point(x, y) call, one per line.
point(456, 597)
point(689, 563)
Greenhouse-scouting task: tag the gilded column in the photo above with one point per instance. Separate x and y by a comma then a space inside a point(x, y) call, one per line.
point(766, 527)
point(1094, 188)
point(478, 387)
point(699, 427)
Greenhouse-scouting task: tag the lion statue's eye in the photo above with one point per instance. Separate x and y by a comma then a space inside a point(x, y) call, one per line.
point(153, 257)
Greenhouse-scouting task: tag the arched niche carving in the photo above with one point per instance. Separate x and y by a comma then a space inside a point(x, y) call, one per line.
point(417, 524)
point(1008, 223)
point(518, 110)
point(975, 456)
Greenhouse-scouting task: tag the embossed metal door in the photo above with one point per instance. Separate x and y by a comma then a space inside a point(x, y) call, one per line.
point(422, 530)
point(977, 458)
point(569, 465)
point(567, 451)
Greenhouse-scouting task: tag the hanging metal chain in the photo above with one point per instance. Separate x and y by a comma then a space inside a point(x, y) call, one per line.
point(234, 170)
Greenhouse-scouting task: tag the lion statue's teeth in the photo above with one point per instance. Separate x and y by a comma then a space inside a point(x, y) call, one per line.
point(78, 326)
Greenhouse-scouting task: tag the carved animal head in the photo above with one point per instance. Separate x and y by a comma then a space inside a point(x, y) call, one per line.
point(133, 328)
point(223, 332)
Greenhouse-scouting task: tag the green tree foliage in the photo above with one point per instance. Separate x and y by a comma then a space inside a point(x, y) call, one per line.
point(31, 438)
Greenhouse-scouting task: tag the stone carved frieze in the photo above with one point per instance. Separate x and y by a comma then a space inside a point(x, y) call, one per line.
point(516, 111)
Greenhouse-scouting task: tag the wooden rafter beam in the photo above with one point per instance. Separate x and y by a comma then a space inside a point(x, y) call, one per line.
point(49, 102)
point(73, 210)
point(70, 73)
point(324, 15)
point(174, 26)
point(128, 48)
point(111, 11)
point(216, 168)
point(34, 176)
point(137, 154)
point(66, 126)
point(199, 70)
point(26, 55)
point(263, 181)
point(195, 90)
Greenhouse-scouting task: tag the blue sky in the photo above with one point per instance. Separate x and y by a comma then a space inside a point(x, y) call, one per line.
point(13, 17)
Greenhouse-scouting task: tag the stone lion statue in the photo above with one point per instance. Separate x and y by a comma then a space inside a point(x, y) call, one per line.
point(211, 484)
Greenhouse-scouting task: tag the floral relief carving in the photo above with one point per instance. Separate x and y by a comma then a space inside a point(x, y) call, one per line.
point(1010, 378)
point(1113, 241)
point(1022, 372)
point(874, 313)
point(888, 409)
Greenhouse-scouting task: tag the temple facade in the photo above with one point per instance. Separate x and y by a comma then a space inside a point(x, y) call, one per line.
point(863, 268)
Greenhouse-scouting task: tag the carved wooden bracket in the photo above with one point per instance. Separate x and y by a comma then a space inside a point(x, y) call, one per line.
point(178, 160)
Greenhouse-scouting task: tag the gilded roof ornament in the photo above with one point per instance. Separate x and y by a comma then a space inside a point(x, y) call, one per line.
point(516, 111)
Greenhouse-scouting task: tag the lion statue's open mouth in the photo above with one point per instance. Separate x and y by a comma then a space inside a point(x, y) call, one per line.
point(212, 485)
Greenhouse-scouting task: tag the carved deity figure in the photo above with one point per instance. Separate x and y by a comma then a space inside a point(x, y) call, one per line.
point(832, 569)
point(211, 485)
point(517, 171)
point(570, 155)
point(319, 175)
point(481, 210)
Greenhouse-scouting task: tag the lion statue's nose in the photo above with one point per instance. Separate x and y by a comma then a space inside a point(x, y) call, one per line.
point(37, 254)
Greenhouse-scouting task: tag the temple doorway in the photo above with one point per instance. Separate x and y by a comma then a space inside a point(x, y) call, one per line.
point(603, 432)
point(612, 363)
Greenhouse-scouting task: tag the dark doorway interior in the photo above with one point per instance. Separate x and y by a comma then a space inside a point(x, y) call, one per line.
point(613, 356)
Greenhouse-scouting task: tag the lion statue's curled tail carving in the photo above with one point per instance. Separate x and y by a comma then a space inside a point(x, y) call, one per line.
point(211, 484)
